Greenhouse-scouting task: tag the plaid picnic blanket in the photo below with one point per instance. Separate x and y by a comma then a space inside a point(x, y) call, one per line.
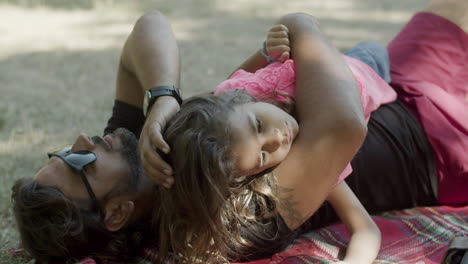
point(413, 236)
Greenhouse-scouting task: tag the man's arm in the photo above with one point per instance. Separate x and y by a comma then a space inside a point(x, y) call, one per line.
point(332, 125)
point(364, 244)
point(150, 58)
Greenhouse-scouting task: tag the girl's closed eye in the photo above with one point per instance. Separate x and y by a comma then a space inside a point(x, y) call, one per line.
point(259, 126)
point(263, 153)
point(260, 130)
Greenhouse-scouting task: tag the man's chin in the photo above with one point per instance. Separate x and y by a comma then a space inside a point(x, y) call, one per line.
point(126, 136)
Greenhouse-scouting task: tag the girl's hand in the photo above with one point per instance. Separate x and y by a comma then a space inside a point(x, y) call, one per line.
point(277, 43)
point(364, 243)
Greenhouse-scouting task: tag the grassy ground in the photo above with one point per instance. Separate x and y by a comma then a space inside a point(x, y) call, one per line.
point(58, 62)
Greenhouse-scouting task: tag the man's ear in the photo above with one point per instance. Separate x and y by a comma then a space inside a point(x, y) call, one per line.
point(118, 211)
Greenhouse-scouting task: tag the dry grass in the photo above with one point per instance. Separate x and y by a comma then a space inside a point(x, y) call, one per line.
point(58, 62)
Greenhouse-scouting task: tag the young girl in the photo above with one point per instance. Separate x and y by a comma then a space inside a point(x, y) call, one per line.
point(224, 145)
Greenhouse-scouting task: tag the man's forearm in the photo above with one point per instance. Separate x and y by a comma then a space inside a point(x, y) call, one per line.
point(325, 87)
point(329, 111)
point(150, 58)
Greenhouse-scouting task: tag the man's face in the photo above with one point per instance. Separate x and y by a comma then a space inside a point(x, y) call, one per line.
point(117, 165)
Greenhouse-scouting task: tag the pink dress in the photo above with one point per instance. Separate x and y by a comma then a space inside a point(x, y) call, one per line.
point(276, 82)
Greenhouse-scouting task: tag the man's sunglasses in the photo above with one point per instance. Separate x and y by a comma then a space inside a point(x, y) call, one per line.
point(78, 160)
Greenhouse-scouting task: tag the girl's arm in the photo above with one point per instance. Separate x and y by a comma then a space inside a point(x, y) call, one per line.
point(253, 63)
point(331, 120)
point(364, 244)
point(276, 46)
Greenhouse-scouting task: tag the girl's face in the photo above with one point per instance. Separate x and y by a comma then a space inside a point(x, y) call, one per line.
point(263, 135)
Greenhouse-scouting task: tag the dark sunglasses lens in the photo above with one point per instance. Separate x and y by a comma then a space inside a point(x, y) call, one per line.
point(78, 160)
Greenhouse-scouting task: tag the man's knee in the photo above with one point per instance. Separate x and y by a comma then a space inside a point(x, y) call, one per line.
point(453, 10)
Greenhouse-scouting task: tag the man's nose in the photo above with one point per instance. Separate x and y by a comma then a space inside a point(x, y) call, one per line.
point(273, 141)
point(83, 142)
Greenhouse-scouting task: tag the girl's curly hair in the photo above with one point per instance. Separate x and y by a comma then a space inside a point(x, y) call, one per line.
point(206, 214)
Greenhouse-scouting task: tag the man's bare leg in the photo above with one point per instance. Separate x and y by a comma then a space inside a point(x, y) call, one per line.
point(454, 10)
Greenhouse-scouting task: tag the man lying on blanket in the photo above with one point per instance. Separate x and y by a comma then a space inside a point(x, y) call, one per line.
point(113, 182)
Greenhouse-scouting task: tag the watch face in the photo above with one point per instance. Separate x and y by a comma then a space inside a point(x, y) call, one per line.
point(152, 94)
point(145, 102)
point(148, 95)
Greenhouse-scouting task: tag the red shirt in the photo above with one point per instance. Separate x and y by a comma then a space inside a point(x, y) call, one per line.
point(429, 70)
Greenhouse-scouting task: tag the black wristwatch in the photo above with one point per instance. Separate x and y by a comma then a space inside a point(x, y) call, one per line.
point(153, 93)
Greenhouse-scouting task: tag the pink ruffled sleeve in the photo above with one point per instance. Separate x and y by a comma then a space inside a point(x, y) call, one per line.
point(275, 82)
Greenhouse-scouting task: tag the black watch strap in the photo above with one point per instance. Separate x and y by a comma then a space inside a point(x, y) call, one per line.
point(164, 90)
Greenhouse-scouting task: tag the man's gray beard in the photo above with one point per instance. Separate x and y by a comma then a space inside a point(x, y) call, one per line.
point(130, 153)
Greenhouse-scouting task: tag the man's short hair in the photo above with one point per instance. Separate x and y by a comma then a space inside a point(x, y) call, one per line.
point(55, 228)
